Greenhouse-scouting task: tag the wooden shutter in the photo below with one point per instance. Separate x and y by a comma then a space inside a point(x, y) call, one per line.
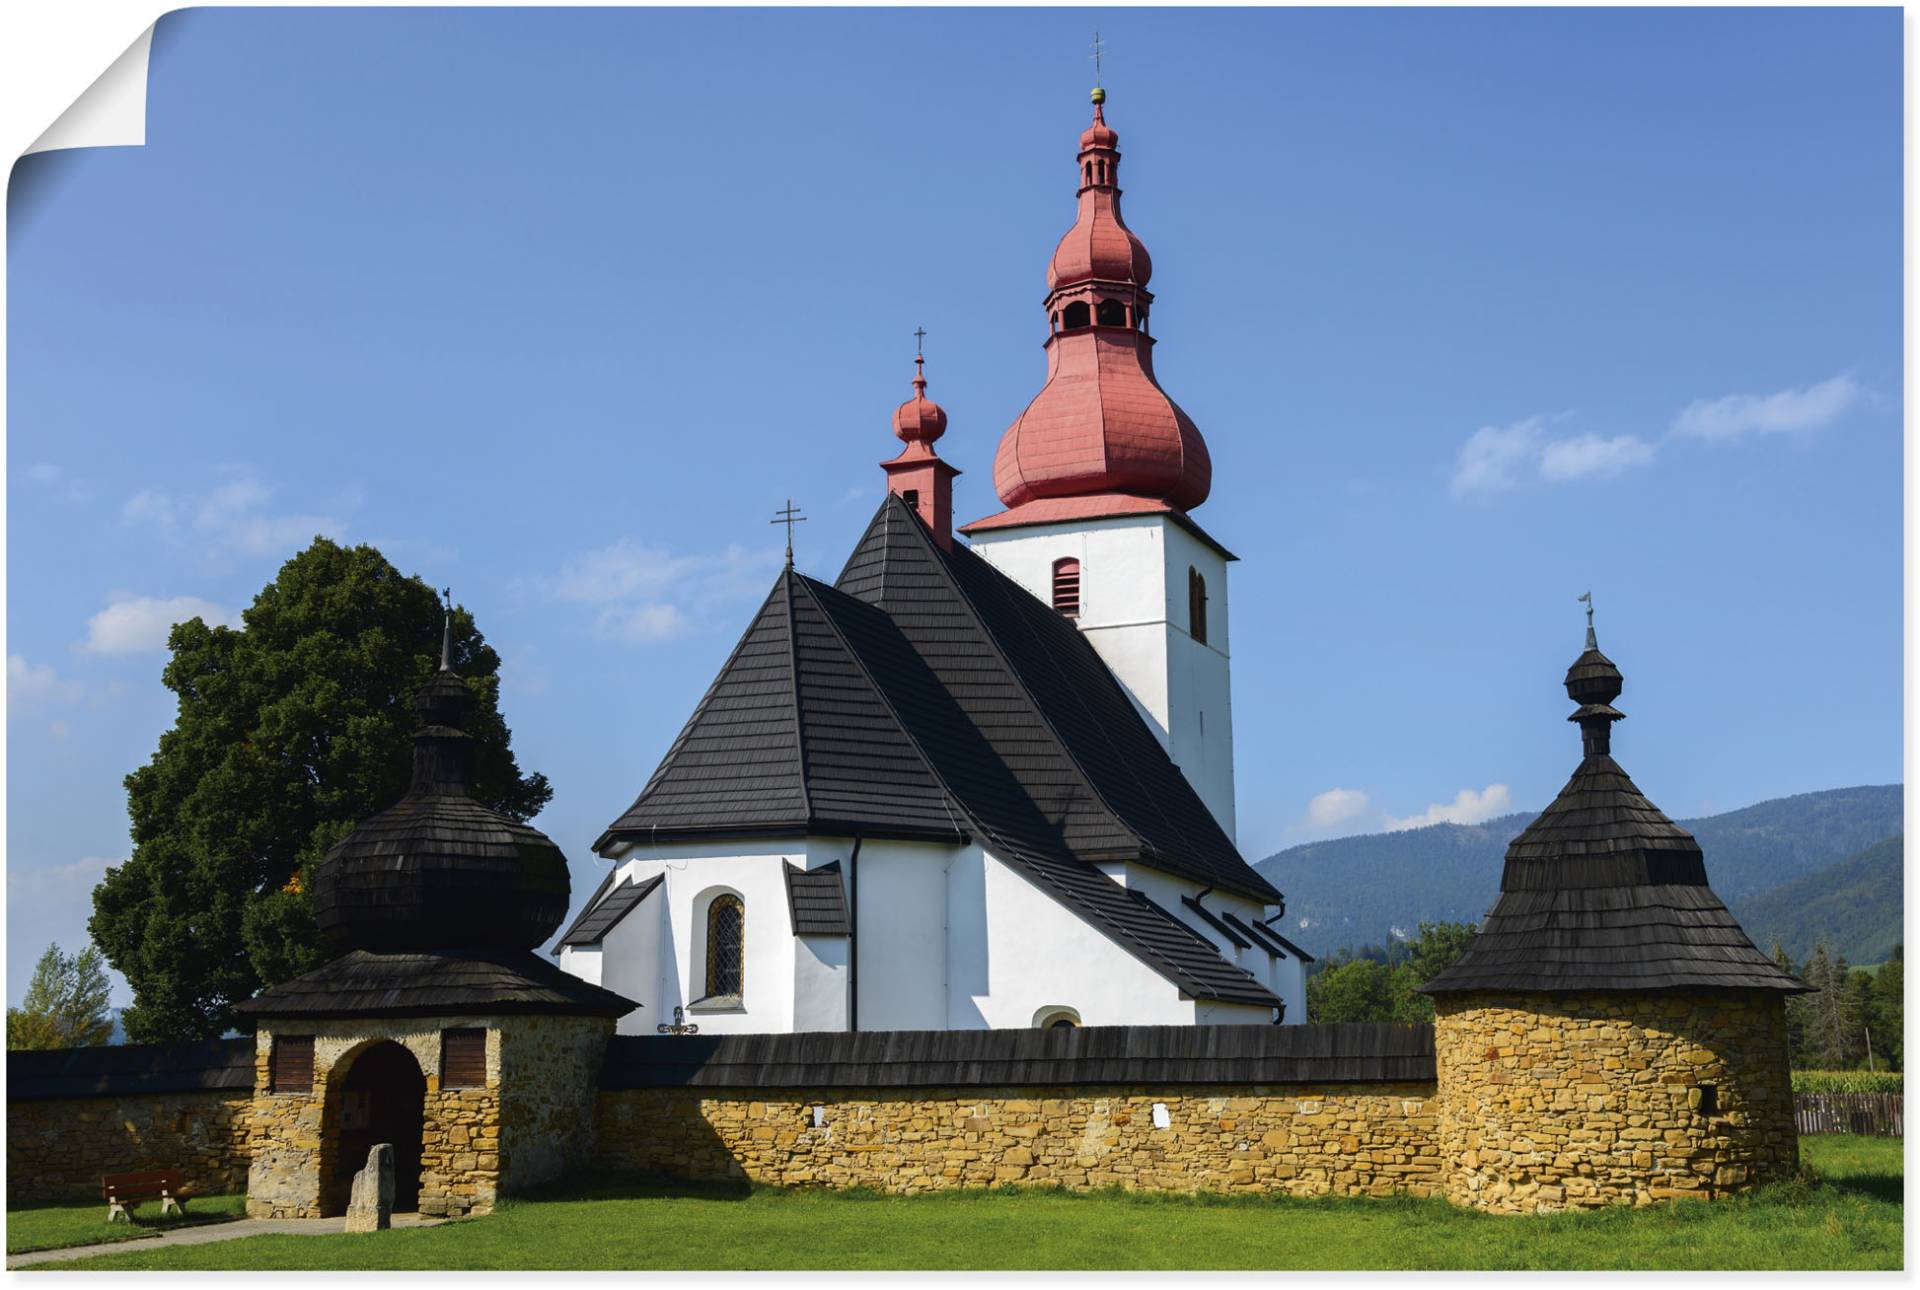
point(292, 1064)
point(463, 1059)
point(1066, 587)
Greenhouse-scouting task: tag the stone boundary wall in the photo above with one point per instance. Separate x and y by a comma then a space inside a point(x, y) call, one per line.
point(1304, 1140)
point(57, 1148)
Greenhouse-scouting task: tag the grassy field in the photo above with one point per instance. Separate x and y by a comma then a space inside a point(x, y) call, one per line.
point(52, 1227)
point(1849, 1218)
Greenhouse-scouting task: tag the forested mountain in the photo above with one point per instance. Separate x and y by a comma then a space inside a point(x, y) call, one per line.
point(1356, 890)
point(1855, 906)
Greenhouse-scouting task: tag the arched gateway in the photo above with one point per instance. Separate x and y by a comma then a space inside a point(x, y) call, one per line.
point(437, 1029)
point(378, 1095)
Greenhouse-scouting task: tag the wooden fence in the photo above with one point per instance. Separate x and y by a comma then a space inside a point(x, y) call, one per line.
point(1878, 1114)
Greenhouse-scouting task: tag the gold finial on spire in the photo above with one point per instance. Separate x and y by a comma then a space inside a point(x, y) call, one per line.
point(1099, 95)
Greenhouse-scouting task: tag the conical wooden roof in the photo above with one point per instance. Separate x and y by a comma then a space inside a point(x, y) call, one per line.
point(1603, 891)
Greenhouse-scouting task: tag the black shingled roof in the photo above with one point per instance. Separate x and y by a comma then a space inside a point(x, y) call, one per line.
point(1603, 891)
point(1125, 1055)
point(790, 738)
point(600, 916)
point(212, 1065)
point(817, 900)
point(474, 981)
point(927, 695)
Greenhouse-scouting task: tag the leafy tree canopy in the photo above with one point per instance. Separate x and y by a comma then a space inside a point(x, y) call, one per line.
point(288, 733)
point(1364, 986)
point(65, 1005)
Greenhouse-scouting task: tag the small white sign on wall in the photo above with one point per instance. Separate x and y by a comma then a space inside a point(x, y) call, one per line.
point(1160, 1117)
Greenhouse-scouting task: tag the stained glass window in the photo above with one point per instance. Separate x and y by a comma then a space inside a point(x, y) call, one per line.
point(726, 932)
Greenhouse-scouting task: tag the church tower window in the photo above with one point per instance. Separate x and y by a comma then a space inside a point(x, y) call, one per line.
point(1076, 314)
point(726, 934)
point(1066, 587)
point(1196, 605)
point(1111, 313)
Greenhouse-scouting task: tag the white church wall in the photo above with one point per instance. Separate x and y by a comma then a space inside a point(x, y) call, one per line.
point(694, 875)
point(902, 891)
point(584, 962)
point(1133, 608)
point(1166, 890)
point(631, 963)
point(1042, 956)
point(820, 983)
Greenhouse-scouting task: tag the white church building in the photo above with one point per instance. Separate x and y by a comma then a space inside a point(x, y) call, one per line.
point(980, 783)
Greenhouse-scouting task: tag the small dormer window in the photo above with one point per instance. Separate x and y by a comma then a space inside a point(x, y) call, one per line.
point(911, 496)
point(1066, 587)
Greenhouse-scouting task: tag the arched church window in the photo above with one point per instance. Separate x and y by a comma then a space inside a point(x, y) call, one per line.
point(1111, 313)
point(1076, 315)
point(1089, 174)
point(1196, 605)
point(1066, 586)
point(726, 936)
point(1056, 1018)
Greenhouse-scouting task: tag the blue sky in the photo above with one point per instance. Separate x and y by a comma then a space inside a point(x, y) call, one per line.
point(1476, 309)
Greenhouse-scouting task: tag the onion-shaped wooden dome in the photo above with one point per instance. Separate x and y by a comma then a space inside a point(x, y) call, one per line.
point(438, 870)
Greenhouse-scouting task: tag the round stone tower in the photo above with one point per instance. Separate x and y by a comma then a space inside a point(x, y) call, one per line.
point(1611, 1035)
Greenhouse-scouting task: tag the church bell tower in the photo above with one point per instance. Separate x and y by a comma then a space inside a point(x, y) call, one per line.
point(1098, 476)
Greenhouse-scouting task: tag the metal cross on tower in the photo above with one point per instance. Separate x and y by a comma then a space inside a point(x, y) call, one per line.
point(919, 336)
point(789, 517)
point(1098, 46)
point(446, 631)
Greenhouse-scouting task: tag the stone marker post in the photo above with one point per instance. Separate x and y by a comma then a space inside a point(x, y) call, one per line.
point(370, 1208)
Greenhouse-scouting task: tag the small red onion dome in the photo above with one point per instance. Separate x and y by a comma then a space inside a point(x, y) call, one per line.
point(919, 419)
point(1099, 245)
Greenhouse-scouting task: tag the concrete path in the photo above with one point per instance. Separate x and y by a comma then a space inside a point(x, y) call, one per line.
point(209, 1232)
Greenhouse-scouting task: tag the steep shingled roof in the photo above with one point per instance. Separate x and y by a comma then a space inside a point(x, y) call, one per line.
point(790, 738)
point(927, 695)
point(1603, 891)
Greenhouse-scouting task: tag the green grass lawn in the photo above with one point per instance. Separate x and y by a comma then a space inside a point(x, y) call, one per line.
point(1850, 1218)
point(50, 1227)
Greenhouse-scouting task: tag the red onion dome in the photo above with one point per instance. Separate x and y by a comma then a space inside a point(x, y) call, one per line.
point(1099, 245)
point(1101, 425)
point(919, 419)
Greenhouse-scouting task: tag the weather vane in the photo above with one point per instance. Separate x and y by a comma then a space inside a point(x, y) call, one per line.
point(789, 517)
point(1587, 600)
point(1097, 47)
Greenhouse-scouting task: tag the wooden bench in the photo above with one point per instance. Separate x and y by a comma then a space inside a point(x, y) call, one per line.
point(122, 1190)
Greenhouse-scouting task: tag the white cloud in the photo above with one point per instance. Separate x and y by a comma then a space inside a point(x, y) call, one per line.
point(29, 686)
point(232, 516)
point(644, 594)
point(1335, 807)
point(1494, 458)
point(1467, 807)
point(1734, 415)
point(132, 624)
point(57, 478)
point(1590, 456)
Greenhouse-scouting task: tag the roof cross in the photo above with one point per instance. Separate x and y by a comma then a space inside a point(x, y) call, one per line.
point(919, 336)
point(1587, 600)
point(446, 631)
point(1098, 46)
point(789, 517)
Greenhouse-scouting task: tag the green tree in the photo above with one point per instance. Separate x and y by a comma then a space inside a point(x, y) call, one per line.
point(1798, 1012)
point(288, 733)
point(65, 1005)
point(1831, 1028)
point(1356, 990)
point(1889, 1010)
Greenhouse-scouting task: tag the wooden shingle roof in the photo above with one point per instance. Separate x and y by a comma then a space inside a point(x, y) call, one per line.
point(604, 910)
point(453, 982)
point(1603, 891)
point(926, 695)
point(211, 1065)
point(817, 900)
point(1149, 1056)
